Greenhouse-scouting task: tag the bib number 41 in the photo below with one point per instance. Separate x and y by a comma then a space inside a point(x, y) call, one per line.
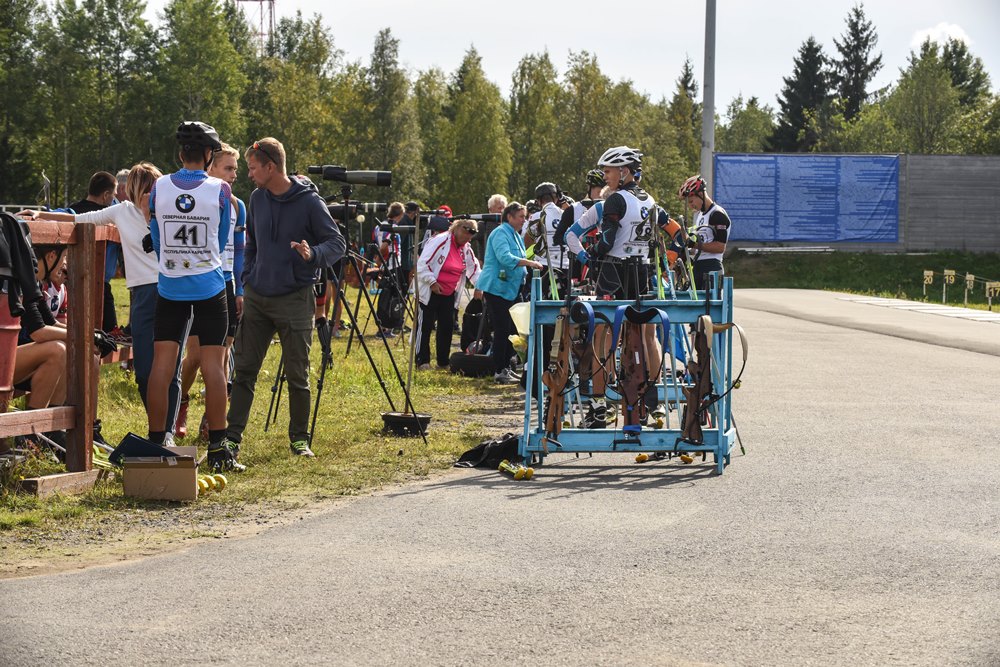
point(186, 234)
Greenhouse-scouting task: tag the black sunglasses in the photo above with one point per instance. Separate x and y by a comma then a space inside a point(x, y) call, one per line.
point(257, 146)
point(471, 230)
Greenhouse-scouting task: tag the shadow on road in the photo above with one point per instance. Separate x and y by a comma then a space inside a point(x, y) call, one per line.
point(571, 476)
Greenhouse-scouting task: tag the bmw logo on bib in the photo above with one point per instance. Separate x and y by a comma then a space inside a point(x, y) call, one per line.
point(184, 203)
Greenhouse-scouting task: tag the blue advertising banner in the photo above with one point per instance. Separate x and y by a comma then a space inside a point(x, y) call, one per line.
point(814, 198)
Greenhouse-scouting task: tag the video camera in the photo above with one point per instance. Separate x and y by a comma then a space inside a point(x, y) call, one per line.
point(425, 218)
point(332, 172)
point(353, 210)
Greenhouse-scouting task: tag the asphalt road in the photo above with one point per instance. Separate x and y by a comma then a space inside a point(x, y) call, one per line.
point(861, 528)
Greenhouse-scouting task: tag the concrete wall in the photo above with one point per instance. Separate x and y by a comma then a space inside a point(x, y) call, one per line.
point(946, 202)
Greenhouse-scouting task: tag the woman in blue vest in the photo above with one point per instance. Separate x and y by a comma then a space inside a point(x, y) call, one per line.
point(505, 266)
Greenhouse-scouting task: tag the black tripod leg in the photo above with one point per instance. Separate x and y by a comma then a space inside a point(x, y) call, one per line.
point(275, 393)
point(324, 332)
point(327, 358)
point(399, 376)
point(371, 361)
point(354, 319)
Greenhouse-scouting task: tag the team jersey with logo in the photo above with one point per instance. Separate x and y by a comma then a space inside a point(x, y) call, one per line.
point(56, 297)
point(635, 226)
point(189, 225)
point(548, 218)
point(712, 225)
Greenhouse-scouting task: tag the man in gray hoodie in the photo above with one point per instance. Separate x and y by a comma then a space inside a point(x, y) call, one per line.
point(290, 236)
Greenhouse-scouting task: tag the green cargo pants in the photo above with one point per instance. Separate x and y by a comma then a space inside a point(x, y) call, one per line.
point(291, 315)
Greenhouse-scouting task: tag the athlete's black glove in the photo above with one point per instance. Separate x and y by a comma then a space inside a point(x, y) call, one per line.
point(692, 242)
point(147, 243)
point(103, 342)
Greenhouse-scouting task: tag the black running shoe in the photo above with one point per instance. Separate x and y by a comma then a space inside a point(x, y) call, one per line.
point(222, 457)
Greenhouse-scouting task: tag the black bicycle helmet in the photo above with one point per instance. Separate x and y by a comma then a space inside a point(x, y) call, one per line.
point(546, 189)
point(595, 179)
point(195, 134)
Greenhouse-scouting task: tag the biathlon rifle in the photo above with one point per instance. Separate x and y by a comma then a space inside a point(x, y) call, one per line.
point(680, 243)
point(556, 375)
point(544, 240)
point(634, 376)
point(700, 396)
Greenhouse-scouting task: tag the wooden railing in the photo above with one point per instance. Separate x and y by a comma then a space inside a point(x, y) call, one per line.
point(85, 286)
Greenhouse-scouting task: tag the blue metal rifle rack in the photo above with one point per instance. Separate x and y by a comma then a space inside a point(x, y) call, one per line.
point(718, 439)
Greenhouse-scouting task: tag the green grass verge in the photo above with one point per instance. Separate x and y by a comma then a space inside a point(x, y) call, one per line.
point(898, 276)
point(353, 454)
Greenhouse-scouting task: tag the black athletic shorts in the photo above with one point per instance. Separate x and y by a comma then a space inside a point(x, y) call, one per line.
point(702, 268)
point(211, 319)
point(231, 308)
point(622, 281)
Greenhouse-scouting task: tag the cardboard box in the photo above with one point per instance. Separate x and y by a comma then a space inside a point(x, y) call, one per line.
point(163, 477)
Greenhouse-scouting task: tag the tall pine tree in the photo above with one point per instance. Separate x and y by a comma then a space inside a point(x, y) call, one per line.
point(968, 74)
point(20, 122)
point(295, 90)
point(430, 95)
point(857, 64)
point(200, 72)
point(585, 107)
point(803, 94)
point(480, 157)
point(68, 81)
point(395, 132)
point(533, 129)
point(685, 116)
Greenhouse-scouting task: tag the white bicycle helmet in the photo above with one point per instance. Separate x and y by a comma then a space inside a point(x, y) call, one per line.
point(621, 156)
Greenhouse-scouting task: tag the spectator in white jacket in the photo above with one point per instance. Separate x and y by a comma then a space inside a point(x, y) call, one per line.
point(445, 263)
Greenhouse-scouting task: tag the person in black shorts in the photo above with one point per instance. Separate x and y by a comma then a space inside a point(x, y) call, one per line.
point(712, 226)
point(224, 166)
point(622, 254)
point(190, 217)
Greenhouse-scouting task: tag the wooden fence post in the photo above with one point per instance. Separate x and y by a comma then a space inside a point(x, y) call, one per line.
point(82, 376)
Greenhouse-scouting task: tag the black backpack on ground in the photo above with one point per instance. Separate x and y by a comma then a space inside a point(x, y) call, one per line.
point(475, 325)
point(489, 453)
point(389, 309)
point(474, 360)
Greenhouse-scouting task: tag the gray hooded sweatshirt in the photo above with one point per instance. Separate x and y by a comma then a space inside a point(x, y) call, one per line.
point(271, 266)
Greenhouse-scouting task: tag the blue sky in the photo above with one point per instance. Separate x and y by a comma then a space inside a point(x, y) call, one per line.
point(756, 40)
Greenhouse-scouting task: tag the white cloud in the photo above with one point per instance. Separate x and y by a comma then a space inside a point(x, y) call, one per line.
point(941, 33)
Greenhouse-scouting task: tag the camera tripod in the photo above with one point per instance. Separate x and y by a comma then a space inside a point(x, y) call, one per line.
point(390, 287)
point(325, 335)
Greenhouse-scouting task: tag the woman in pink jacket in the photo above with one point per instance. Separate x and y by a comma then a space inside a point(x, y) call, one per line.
point(446, 262)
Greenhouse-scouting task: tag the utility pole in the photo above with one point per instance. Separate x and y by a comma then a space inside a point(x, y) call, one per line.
point(708, 104)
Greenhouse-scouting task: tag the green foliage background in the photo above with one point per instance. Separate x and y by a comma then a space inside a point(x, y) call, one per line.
point(90, 85)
